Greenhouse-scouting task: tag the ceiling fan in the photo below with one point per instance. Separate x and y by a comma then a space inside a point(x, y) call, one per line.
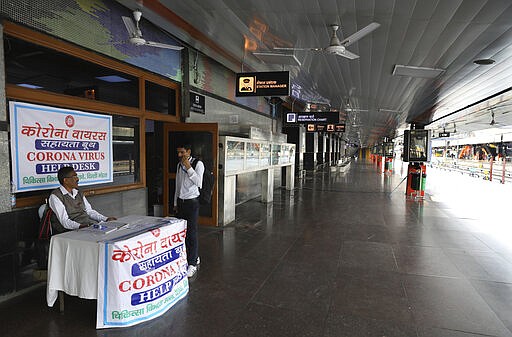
point(338, 47)
point(493, 122)
point(136, 34)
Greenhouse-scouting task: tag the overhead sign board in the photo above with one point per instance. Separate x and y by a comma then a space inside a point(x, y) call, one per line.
point(339, 128)
point(274, 83)
point(312, 118)
point(444, 134)
point(197, 103)
point(325, 127)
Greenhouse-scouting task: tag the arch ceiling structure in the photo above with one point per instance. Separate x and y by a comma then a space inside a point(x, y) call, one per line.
point(417, 66)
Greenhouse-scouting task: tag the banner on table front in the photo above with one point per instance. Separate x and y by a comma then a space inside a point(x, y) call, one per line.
point(141, 278)
point(44, 139)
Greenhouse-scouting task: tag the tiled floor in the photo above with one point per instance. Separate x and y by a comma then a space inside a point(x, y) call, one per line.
point(342, 255)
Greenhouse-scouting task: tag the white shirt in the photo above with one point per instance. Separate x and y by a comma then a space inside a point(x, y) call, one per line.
point(60, 210)
point(188, 182)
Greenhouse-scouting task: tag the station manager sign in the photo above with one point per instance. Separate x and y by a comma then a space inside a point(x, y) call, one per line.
point(275, 83)
point(44, 139)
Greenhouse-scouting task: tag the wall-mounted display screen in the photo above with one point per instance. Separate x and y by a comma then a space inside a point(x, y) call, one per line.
point(388, 149)
point(417, 145)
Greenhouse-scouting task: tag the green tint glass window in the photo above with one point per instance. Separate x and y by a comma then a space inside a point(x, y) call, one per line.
point(253, 155)
point(235, 154)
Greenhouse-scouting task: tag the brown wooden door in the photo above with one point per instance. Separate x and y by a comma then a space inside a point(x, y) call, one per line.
point(204, 138)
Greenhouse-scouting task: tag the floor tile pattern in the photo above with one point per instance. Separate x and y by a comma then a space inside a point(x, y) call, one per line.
point(341, 255)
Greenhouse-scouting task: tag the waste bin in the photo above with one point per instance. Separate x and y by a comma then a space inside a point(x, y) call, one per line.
point(423, 181)
point(415, 181)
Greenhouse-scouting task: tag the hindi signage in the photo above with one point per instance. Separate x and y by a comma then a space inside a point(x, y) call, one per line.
point(44, 139)
point(275, 83)
point(312, 118)
point(141, 277)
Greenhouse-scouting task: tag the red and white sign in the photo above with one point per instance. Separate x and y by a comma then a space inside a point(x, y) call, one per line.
point(141, 277)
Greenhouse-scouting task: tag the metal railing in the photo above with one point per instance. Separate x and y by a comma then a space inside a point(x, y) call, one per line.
point(500, 171)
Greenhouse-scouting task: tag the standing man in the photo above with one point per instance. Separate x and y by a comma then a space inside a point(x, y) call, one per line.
point(69, 204)
point(186, 200)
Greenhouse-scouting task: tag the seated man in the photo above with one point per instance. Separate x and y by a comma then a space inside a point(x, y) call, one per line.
point(70, 206)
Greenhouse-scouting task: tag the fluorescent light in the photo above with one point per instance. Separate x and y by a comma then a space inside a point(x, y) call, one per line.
point(113, 79)
point(411, 71)
point(30, 86)
point(277, 58)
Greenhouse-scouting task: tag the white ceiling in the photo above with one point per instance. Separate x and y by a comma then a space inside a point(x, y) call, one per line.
point(443, 34)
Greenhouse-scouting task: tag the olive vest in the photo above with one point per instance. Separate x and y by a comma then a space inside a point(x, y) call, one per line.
point(75, 209)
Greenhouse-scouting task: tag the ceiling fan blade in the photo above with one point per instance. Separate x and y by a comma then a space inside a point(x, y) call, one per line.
point(348, 54)
point(360, 34)
point(162, 45)
point(114, 43)
point(286, 48)
point(130, 26)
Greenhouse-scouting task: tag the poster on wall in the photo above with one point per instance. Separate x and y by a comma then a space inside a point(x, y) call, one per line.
point(44, 139)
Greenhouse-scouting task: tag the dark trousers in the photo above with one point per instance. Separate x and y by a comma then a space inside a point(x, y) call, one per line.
point(188, 209)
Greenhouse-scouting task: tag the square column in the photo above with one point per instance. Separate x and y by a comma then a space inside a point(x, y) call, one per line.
point(267, 185)
point(227, 200)
point(290, 177)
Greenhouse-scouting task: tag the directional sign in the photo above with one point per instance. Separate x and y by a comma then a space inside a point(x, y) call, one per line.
point(325, 127)
point(444, 134)
point(312, 118)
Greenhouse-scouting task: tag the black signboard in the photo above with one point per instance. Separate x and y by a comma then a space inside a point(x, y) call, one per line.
point(294, 118)
point(275, 83)
point(444, 134)
point(197, 103)
point(325, 127)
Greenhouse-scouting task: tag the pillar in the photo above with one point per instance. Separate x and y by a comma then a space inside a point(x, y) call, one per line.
point(320, 149)
point(290, 177)
point(5, 176)
point(267, 185)
point(311, 149)
point(227, 199)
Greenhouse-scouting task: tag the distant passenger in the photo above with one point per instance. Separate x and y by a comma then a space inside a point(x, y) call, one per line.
point(70, 206)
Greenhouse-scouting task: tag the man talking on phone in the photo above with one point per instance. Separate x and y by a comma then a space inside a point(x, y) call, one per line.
point(186, 201)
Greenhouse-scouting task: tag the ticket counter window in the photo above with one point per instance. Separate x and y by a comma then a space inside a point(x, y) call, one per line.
point(125, 146)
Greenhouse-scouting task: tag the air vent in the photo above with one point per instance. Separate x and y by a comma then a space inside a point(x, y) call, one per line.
point(277, 58)
point(411, 71)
